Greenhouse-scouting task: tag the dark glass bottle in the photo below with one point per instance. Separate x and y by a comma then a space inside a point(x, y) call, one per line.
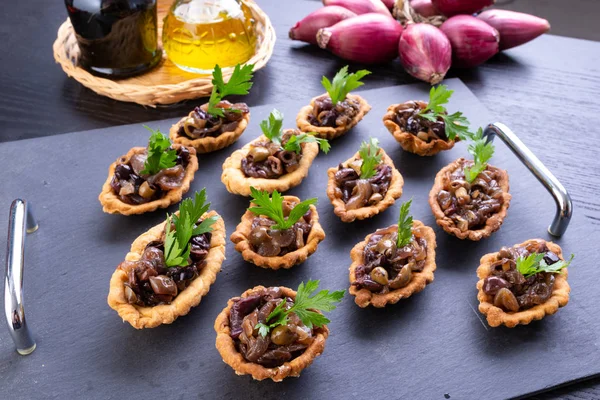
point(117, 38)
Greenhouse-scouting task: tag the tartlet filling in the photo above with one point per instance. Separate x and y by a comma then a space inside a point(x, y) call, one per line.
point(470, 205)
point(133, 187)
point(325, 114)
point(408, 119)
point(387, 267)
point(200, 124)
point(150, 282)
point(357, 192)
point(269, 160)
point(511, 290)
point(282, 344)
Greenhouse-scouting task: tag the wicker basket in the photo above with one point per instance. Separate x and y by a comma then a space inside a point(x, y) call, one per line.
point(166, 83)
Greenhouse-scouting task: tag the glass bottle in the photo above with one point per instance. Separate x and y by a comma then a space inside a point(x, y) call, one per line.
point(197, 34)
point(117, 38)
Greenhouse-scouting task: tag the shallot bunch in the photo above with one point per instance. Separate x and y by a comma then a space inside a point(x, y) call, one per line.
point(434, 35)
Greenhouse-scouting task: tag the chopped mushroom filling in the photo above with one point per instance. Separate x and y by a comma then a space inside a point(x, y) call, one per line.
point(510, 290)
point(408, 119)
point(386, 266)
point(150, 282)
point(325, 114)
point(358, 193)
point(269, 160)
point(132, 187)
point(200, 124)
point(470, 205)
point(282, 344)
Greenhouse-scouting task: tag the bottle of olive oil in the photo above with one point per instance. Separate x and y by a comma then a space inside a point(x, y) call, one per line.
point(197, 34)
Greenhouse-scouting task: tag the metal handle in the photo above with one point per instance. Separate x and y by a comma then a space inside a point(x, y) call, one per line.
point(564, 206)
point(20, 222)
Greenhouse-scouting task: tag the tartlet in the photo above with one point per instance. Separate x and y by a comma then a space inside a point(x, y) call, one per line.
point(542, 294)
point(228, 346)
point(387, 179)
point(243, 238)
point(460, 215)
point(141, 316)
point(417, 135)
point(113, 203)
point(223, 132)
point(369, 292)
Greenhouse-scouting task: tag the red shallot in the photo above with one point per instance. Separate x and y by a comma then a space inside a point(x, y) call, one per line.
point(306, 29)
point(515, 28)
point(425, 52)
point(473, 41)
point(424, 8)
point(361, 6)
point(388, 3)
point(454, 7)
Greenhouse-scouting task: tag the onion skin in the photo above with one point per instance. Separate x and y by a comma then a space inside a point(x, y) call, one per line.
point(388, 3)
point(306, 29)
point(424, 8)
point(425, 52)
point(473, 40)
point(361, 6)
point(515, 28)
point(454, 7)
point(367, 38)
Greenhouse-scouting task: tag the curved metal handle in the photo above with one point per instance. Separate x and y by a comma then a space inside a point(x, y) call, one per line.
point(564, 205)
point(20, 222)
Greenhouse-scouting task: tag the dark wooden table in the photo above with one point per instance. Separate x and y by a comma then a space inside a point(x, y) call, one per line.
point(546, 91)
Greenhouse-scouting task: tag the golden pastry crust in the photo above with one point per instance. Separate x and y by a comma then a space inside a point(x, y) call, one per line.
point(150, 317)
point(327, 132)
point(232, 357)
point(492, 224)
point(364, 297)
point(208, 144)
point(237, 182)
point(242, 244)
point(412, 143)
point(394, 192)
point(111, 203)
point(497, 316)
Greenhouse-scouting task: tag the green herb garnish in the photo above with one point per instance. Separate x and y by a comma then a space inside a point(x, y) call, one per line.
point(482, 150)
point(405, 224)
point(272, 207)
point(160, 153)
point(305, 307)
point(455, 124)
point(343, 83)
point(238, 84)
point(272, 129)
point(535, 263)
point(177, 247)
point(369, 153)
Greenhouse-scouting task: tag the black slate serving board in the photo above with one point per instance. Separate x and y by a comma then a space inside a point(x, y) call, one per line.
point(434, 345)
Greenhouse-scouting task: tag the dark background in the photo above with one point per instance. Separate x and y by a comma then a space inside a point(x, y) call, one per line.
point(546, 91)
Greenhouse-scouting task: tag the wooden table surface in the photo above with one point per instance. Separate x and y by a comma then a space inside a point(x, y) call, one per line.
point(547, 91)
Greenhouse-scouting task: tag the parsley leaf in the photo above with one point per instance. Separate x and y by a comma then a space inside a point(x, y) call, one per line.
point(371, 158)
point(238, 84)
point(306, 305)
point(177, 247)
point(535, 263)
point(405, 224)
point(294, 142)
point(272, 207)
point(343, 83)
point(271, 127)
point(455, 124)
point(482, 150)
point(160, 154)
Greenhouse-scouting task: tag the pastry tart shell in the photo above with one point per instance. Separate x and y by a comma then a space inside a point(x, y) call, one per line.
point(209, 144)
point(237, 182)
point(111, 203)
point(242, 244)
point(327, 132)
point(492, 224)
point(232, 357)
point(497, 316)
point(364, 297)
point(150, 317)
point(393, 193)
point(412, 143)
